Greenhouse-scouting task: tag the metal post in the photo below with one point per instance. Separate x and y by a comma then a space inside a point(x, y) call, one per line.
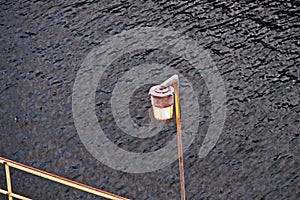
point(180, 153)
point(8, 182)
point(174, 80)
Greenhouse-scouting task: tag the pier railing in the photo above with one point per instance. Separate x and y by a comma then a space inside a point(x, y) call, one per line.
point(8, 163)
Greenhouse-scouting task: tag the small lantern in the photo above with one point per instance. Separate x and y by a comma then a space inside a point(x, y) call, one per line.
point(162, 101)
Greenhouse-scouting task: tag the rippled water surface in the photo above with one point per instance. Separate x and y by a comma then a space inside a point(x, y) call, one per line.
point(254, 45)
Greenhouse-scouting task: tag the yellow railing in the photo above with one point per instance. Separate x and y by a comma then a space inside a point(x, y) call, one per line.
point(8, 163)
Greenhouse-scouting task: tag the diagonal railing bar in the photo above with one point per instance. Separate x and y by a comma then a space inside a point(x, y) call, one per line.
point(52, 177)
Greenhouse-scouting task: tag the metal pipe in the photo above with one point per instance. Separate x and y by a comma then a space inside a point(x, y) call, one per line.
point(174, 81)
point(171, 81)
point(61, 180)
point(8, 181)
point(180, 152)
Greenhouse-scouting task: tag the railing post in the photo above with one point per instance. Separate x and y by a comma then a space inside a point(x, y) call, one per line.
point(8, 181)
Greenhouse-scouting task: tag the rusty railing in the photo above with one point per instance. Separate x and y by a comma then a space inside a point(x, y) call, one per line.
point(8, 163)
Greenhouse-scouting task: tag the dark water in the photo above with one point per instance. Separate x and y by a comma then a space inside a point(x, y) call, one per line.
point(254, 45)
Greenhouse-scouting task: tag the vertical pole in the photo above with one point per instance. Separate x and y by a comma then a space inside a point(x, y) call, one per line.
point(8, 181)
point(180, 154)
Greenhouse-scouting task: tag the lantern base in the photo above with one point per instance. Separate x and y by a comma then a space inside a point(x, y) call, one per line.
point(163, 113)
